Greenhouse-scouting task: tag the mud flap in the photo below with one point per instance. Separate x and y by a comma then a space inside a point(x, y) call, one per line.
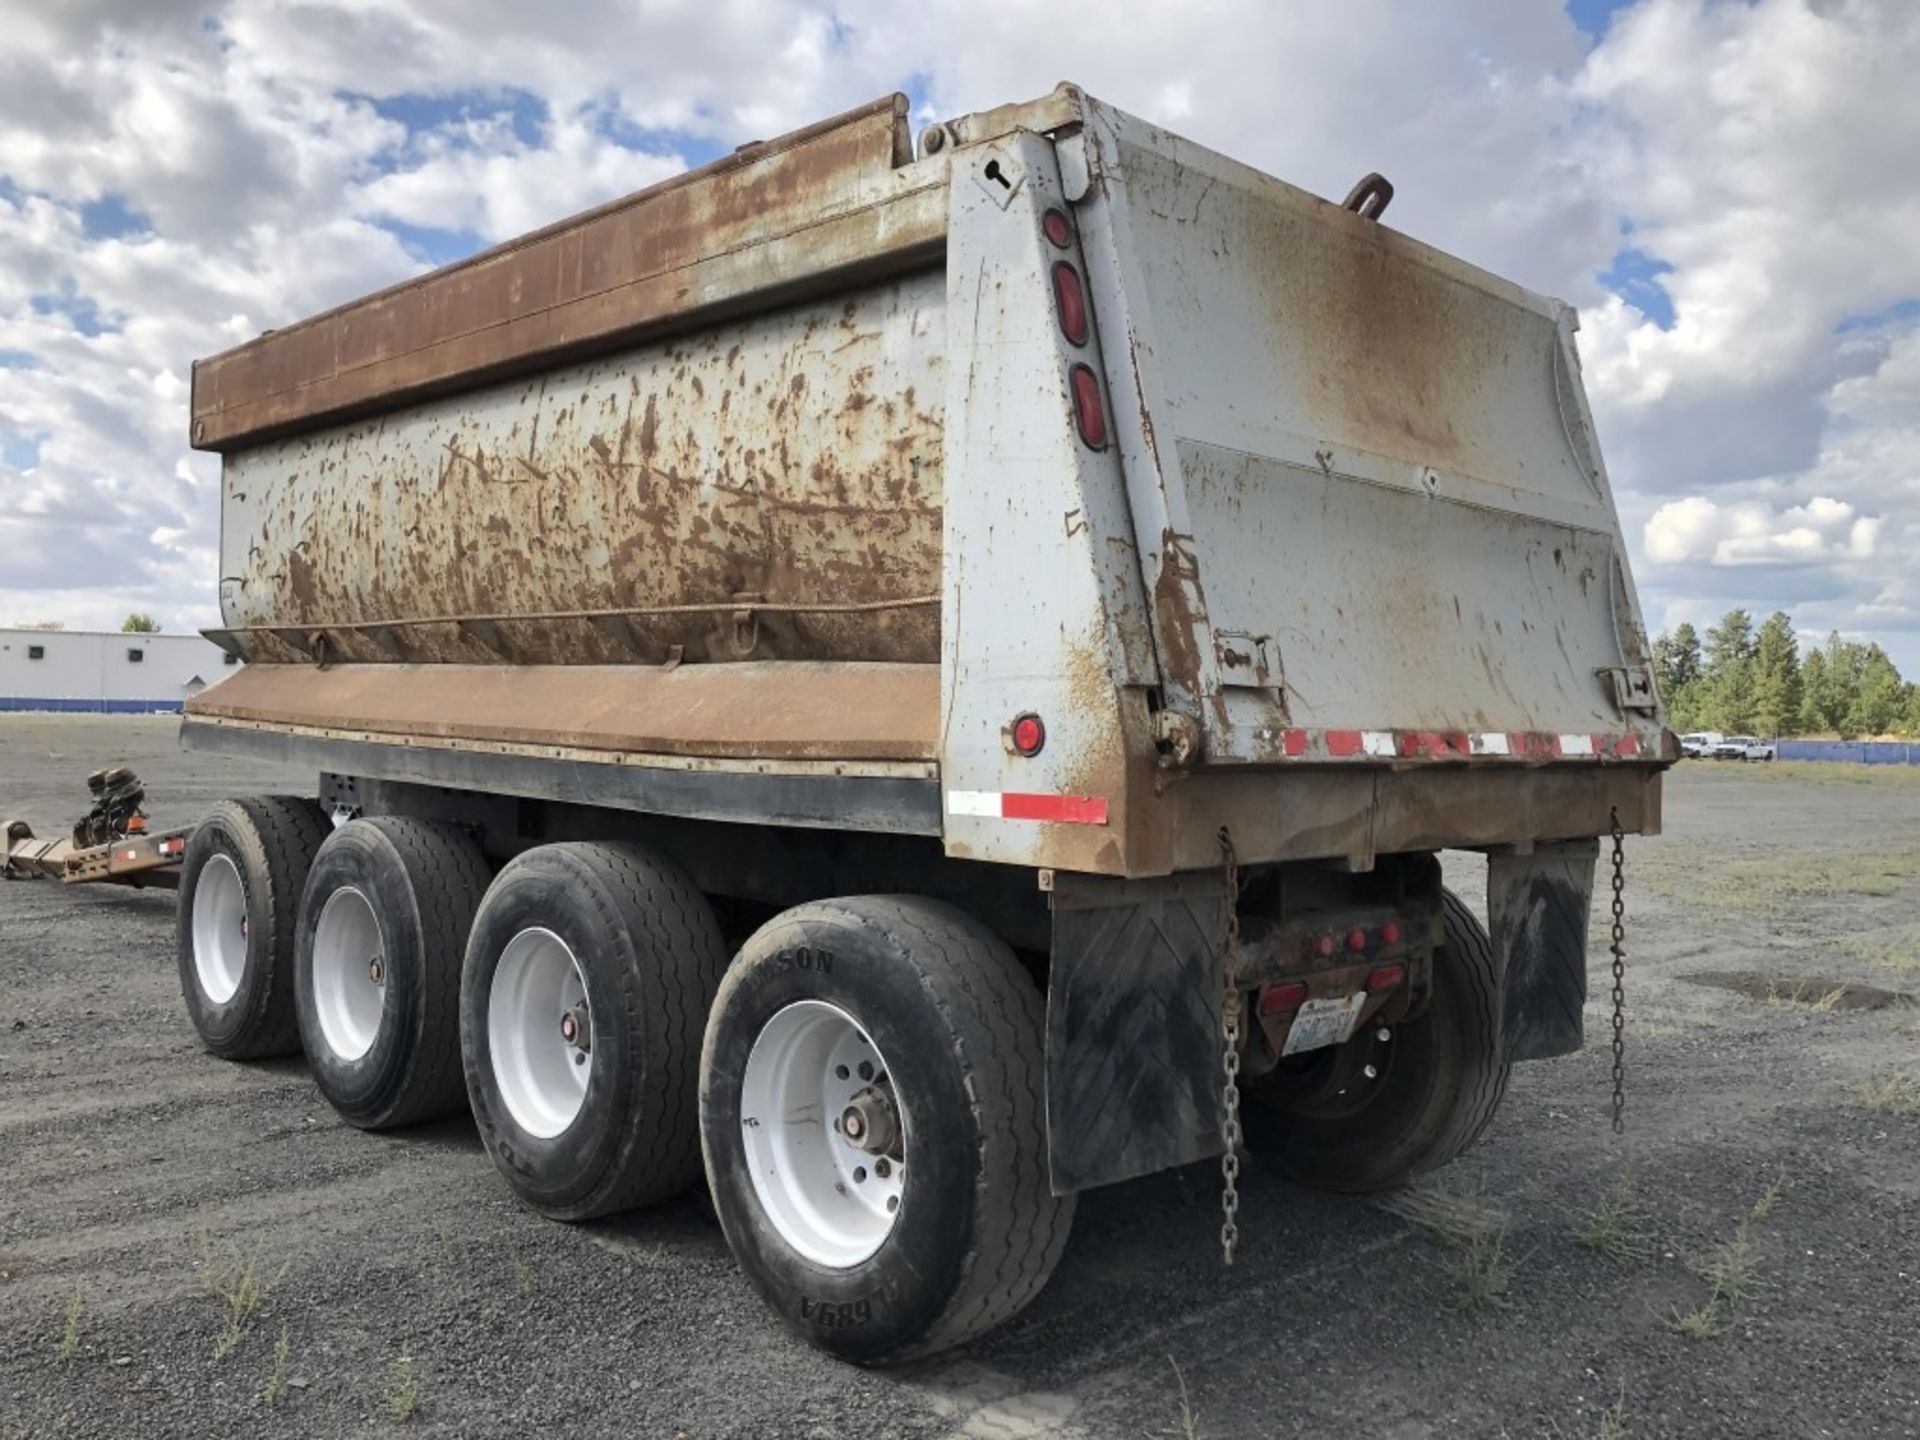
point(1133, 1028)
point(1537, 914)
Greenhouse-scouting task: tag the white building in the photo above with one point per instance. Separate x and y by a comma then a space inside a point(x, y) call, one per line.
point(98, 671)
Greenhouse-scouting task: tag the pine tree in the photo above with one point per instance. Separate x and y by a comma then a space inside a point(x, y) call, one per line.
point(1813, 685)
point(1776, 676)
point(1840, 683)
point(1911, 725)
point(1676, 658)
point(1728, 673)
point(1878, 703)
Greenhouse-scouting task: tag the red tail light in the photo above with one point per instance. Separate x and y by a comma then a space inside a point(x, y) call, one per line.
point(1070, 299)
point(1280, 998)
point(1387, 977)
point(1088, 413)
point(1029, 735)
point(1058, 228)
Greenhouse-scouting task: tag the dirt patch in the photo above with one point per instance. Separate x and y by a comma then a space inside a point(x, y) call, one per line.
point(1815, 992)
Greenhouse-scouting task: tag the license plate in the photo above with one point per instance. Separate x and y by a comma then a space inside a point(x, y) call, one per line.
point(1324, 1022)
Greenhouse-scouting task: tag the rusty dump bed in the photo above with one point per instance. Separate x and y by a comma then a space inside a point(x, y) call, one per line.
point(782, 490)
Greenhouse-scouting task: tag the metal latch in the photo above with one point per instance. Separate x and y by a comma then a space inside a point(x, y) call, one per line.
point(1632, 687)
point(1246, 661)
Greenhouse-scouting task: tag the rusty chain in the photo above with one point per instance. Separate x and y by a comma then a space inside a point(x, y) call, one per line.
point(1230, 1051)
point(1618, 948)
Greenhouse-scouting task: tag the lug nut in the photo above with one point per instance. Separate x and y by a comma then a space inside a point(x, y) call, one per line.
point(377, 970)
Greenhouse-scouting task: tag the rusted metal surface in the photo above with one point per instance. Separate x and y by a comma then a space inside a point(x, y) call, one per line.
point(824, 207)
point(766, 488)
point(755, 710)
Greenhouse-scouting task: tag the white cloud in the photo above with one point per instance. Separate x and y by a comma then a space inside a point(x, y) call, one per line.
point(177, 174)
point(1697, 530)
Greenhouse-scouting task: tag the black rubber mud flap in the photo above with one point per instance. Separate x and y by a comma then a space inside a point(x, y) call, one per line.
point(1133, 1029)
point(1537, 914)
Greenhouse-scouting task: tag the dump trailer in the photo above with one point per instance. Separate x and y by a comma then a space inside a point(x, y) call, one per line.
point(916, 677)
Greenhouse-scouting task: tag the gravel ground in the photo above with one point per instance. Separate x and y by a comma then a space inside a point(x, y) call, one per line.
point(1770, 1143)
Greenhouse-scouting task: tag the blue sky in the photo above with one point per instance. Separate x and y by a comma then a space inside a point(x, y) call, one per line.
point(1718, 185)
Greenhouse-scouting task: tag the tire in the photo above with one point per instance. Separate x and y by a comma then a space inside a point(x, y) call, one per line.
point(958, 1030)
point(240, 885)
point(385, 1046)
point(1441, 1077)
point(627, 934)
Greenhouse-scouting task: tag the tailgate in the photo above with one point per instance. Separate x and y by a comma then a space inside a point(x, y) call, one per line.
point(1372, 515)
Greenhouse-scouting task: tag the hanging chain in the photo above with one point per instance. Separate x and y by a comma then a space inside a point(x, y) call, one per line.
point(1230, 1051)
point(1619, 981)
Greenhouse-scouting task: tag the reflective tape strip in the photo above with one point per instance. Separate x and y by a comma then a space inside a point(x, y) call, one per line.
point(1442, 745)
point(1019, 805)
point(974, 802)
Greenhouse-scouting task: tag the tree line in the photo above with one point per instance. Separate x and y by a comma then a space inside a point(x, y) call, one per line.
point(1743, 680)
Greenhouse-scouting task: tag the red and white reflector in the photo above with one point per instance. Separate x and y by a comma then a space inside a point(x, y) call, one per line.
point(1025, 805)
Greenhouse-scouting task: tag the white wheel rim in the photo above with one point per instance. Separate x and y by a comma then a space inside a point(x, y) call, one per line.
point(349, 973)
point(832, 1201)
point(219, 929)
point(539, 996)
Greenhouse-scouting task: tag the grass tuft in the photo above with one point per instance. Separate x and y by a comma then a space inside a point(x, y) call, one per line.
point(1896, 1093)
point(275, 1390)
point(1699, 1324)
point(403, 1395)
point(1466, 1225)
point(70, 1332)
point(523, 1276)
point(1480, 1273)
point(1614, 1228)
point(241, 1285)
point(1812, 995)
point(1732, 1268)
point(1189, 1421)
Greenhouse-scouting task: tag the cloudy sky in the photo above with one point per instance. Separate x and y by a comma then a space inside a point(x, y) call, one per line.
point(1728, 190)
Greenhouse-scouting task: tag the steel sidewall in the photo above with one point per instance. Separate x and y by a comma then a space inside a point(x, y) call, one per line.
point(229, 1023)
point(561, 1174)
point(892, 1298)
point(363, 1090)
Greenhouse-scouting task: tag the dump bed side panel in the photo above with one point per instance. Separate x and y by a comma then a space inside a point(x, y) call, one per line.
point(767, 488)
point(1363, 476)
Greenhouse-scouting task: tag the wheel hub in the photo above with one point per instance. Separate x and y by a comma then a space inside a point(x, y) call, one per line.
point(825, 1135)
point(870, 1121)
point(542, 1067)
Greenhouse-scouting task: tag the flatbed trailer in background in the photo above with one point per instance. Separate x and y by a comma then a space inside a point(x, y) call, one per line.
point(111, 844)
point(924, 678)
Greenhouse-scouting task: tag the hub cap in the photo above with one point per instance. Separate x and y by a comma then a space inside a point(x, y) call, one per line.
point(816, 1094)
point(219, 929)
point(349, 973)
point(540, 1033)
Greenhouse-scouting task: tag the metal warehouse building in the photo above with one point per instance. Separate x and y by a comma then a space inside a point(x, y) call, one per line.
point(95, 671)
